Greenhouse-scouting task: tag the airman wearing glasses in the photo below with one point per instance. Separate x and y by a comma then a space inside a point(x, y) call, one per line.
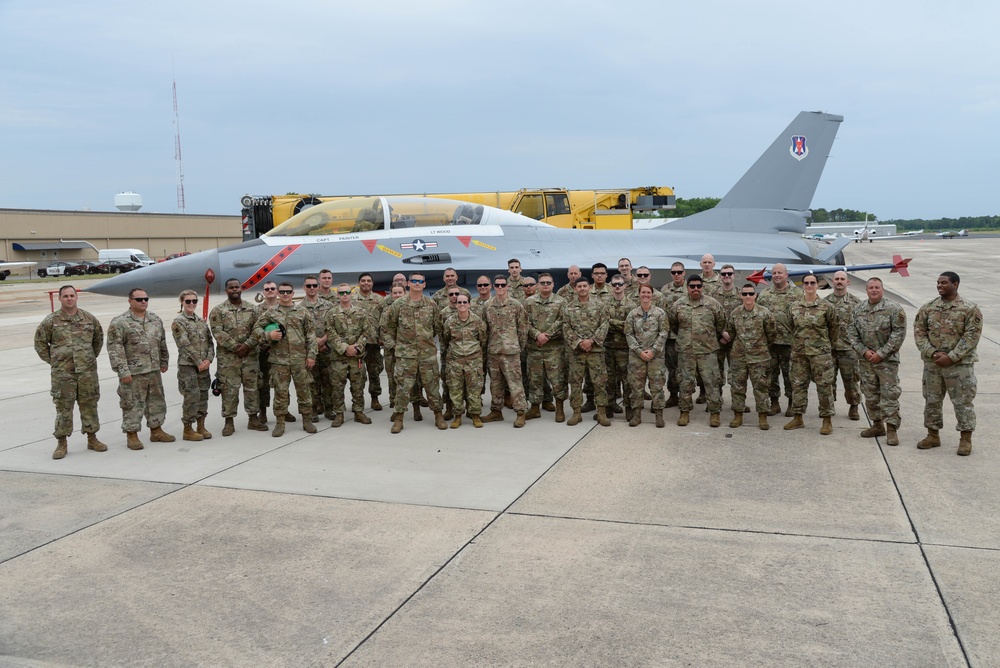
point(643, 276)
point(727, 294)
point(585, 324)
point(411, 327)
point(238, 365)
point(698, 323)
point(373, 303)
point(753, 329)
point(137, 346)
point(778, 298)
point(845, 361)
point(269, 293)
point(673, 291)
point(507, 330)
point(529, 286)
point(484, 290)
point(291, 333)
point(814, 329)
point(195, 352)
point(322, 390)
point(546, 352)
point(349, 328)
point(600, 290)
point(443, 296)
point(449, 309)
point(464, 337)
point(616, 347)
point(395, 292)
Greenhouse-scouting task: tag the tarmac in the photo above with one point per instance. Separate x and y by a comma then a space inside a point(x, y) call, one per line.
point(548, 545)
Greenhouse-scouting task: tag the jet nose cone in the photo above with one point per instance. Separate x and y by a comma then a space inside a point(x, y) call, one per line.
point(166, 279)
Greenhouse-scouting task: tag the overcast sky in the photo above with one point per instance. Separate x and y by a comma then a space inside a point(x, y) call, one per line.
point(330, 97)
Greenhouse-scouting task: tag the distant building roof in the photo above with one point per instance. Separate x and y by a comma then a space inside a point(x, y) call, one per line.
point(49, 245)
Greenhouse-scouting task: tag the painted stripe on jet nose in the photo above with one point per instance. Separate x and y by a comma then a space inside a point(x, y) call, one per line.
point(269, 266)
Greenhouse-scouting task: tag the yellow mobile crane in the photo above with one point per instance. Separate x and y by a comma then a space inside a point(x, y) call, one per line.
point(608, 209)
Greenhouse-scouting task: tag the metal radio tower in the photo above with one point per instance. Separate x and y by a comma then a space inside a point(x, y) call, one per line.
point(177, 153)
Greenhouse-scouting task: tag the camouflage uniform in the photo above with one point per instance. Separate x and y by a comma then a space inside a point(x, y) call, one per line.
point(478, 305)
point(322, 390)
point(616, 355)
point(646, 330)
point(441, 296)
point(567, 292)
point(194, 344)
point(507, 326)
point(373, 303)
point(515, 289)
point(547, 362)
point(466, 342)
point(730, 299)
point(814, 329)
point(752, 333)
point(586, 321)
point(70, 346)
point(288, 356)
point(845, 361)
point(444, 313)
point(263, 361)
point(231, 327)
point(410, 328)
point(346, 327)
point(778, 302)
point(671, 293)
point(881, 328)
point(698, 326)
point(954, 328)
point(138, 348)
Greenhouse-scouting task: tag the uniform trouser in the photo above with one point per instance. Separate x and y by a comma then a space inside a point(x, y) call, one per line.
point(445, 397)
point(959, 382)
point(759, 375)
point(390, 372)
point(264, 389)
point(547, 364)
point(142, 397)
point(880, 383)
point(282, 376)
point(69, 388)
point(322, 390)
point(725, 352)
point(699, 367)
point(234, 372)
point(670, 361)
point(465, 384)
point(781, 365)
point(587, 365)
point(616, 363)
point(506, 368)
point(373, 367)
point(845, 362)
point(817, 369)
point(193, 386)
point(408, 371)
point(341, 370)
point(655, 370)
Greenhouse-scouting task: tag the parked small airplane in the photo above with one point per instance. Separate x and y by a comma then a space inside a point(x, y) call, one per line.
point(951, 234)
point(758, 223)
point(912, 233)
point(6, 267)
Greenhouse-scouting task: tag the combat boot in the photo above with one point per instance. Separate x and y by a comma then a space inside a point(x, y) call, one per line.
point(229, 428)
point(575, 419)
point(133, 441)
point(827, 427)
point(279, 426)
point(702, 399)
point(659, 419)
point(890, 435)
point(262, 416)
point(684, 418)
point(327, 414)
point(254, 423)
point(338, 420)
point(560, 411)
point(548, 406)
point(289, 417)
point(796, 423)
point(60, 450)
point(636, 419)
point(157, 435)
point(629, 413)
point(615, 407)
point(877, 429)
point(494, 416)
point(307, 423)
point(94, 444)
point(376, 406)
point(449, 411)
point(533, 412)
point(788, 411)
point(397, 423)
point(190, 434)
point(932, 440)
point(852, 412)
point(360, 417)
point(672, 401)
point(775, 407)
point(519, 420)
point(417, 415)
point(439, 420)
point(965, 444)
point(477, 422)
point(762, 421)
point(737, 420)
point(205, 434)
point(588, 405)
point(714, 420)
point(457, 422)
point(602, 416)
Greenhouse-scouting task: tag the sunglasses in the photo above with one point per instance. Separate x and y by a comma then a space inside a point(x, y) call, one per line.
point(545, 282)
point(695, 286)
point(672, 271)
point(528, 285)
point(748, 294)
point(285, 292)
point(500, 285)
point(462, 303)
point(725, 273)
point(454, 294)
point(617, 285)
point(312, 285)
point(417, 281)
point(483, 285)
point(190, 301)
point(270, 289)
point(642, 275)
point(139, 299)
point(810, 283)
point(343, 292)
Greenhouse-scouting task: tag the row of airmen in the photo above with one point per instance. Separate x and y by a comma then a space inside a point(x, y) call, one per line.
point(615, 339)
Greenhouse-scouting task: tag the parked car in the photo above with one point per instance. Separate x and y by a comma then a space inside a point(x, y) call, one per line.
point(119, 267)
point(57, 269)
point(78, 268)
point(174, 256)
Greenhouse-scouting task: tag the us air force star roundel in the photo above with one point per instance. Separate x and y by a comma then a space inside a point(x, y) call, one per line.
point(419, 245)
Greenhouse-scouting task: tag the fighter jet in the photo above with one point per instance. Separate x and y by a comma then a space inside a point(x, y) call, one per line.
point(758, 223)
